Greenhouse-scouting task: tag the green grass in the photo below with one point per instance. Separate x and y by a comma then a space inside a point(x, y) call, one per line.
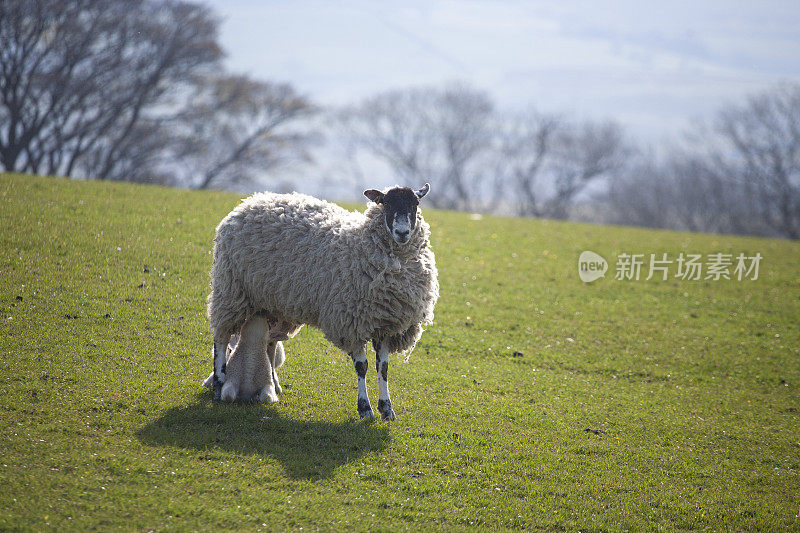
point(693, 387)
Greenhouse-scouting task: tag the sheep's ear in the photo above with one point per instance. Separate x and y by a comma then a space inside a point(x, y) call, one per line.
point(374, 195)
point(424, 190)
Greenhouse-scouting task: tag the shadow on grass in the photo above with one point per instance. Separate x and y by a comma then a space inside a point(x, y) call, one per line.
point(307, 449)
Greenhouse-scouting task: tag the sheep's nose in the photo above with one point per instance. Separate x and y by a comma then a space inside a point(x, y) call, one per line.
point(401, 236)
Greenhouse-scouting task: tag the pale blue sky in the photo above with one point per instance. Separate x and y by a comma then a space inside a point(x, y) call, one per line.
point(650, 65)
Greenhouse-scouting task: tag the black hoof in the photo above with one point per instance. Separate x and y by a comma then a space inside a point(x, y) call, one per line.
point(217, 390)
point(385, 409)
point(365, 409)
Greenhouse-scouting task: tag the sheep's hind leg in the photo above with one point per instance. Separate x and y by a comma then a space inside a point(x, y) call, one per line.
point(209, 381)
point(276, 355)
point(220, 360)
point(278, 388)
point(382, 367)
point(269, 392)
point(360, 364)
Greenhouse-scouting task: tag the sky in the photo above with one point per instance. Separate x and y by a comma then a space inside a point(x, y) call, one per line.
point(654, 67)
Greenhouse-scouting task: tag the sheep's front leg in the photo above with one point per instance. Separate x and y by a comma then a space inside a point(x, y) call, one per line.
point(360, 363)
point(382, 367)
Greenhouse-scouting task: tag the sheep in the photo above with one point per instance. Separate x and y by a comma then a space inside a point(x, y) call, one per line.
point(357, 277)
point(251, 367)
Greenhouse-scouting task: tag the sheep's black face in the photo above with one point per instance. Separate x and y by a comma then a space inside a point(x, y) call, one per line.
point(399, 210)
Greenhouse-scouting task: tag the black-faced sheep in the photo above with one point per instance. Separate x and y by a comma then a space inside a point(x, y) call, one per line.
point(357, 277)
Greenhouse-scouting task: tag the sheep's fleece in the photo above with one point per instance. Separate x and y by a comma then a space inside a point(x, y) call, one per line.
point(301, 260)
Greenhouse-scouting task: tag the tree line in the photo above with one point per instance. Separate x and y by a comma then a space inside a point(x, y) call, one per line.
point(737, 173)
point(135, 90)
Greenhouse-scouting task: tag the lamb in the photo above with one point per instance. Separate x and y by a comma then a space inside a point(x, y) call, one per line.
point(251, 367)
point(357, 277)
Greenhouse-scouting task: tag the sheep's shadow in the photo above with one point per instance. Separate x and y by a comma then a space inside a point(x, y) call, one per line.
point(307, 449)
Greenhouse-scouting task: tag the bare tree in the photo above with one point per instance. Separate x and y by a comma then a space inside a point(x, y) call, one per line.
point(428, 134)
point(547, 161)
point(233, 128)
point(760, 144)
point(462, 120)
point(639, 196)
point(524, 144)
point(740, 174)
point(678, 190)
point(583, 153)
point(81, 80)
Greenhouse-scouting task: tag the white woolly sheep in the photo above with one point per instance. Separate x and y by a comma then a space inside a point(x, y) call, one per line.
point(357, 277)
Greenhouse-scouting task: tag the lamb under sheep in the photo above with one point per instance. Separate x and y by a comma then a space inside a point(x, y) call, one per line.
point(357, 277)
point(251, 368)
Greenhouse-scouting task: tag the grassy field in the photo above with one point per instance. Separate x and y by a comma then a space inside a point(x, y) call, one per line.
point(628, 405)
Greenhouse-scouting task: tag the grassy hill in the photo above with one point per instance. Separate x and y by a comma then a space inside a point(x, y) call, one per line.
point(627, 405)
